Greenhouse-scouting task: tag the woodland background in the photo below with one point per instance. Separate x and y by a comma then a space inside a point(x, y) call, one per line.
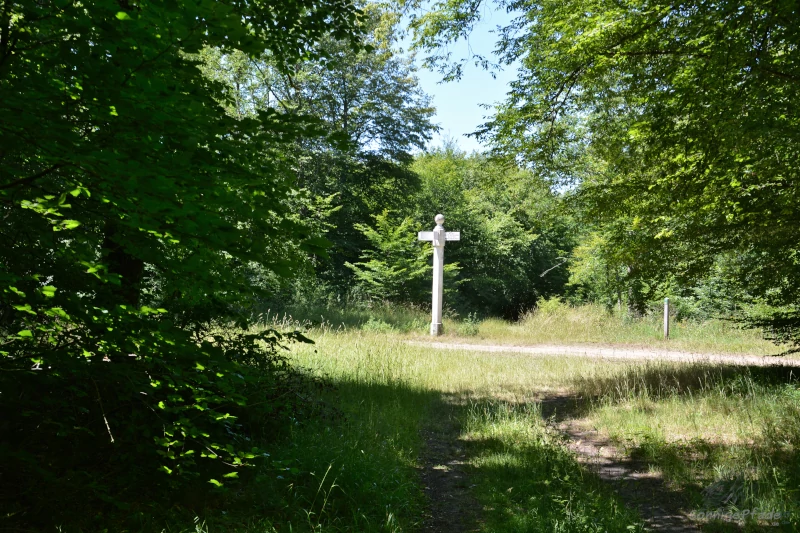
point(171, 174)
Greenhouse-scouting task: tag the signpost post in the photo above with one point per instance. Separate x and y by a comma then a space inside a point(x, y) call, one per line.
point(438, 237)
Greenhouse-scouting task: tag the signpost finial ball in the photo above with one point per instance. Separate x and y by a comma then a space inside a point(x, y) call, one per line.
point(439, 219)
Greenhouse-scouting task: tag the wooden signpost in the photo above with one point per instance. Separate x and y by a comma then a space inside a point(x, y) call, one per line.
point(438, 237)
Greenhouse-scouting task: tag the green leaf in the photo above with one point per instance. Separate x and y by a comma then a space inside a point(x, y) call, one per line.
point(215, 482)
point(69, 224)
point(57, 312)
point(25, 309)
point(17, 291)
point(121, 15)
point(48, 291)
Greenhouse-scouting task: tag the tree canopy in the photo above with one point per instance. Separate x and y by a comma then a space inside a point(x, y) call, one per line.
point(677, 123)
point(135, 210)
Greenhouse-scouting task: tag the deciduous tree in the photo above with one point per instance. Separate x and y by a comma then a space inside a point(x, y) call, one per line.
point(133, 207)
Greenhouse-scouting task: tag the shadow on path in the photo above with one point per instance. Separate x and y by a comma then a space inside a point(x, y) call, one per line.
point(452, 509)
point(661, 509)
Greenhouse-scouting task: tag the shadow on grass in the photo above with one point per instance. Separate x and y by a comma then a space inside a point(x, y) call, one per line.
point(760, 475)
point(398, 454)
point(525, 477)
point(757, 478)
point(407, 459)
point(360, 471)
point(348, 464)
point(661, 380)
point(357, 316)
point(353, 473)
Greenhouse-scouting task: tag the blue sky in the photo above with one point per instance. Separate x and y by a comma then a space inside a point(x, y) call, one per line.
point(457, 103)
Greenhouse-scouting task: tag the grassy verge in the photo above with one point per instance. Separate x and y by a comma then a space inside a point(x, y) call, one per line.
point(554, 322)
point(356, 468)
point(728, 437)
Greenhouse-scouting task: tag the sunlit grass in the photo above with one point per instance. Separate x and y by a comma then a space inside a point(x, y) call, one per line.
point(375, 357)
point(696, 424)
point(495, 400)
point(592, 324)
point(728, 437)
point(554, 322)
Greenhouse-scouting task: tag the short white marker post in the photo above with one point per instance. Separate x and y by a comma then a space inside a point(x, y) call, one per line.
point(666, 318)
point(438, 237)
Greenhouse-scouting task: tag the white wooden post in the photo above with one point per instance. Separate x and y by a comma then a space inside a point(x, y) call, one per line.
point(666, 318)
point(438, 237)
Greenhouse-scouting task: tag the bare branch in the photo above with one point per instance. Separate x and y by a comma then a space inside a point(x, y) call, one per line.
point(30, 179)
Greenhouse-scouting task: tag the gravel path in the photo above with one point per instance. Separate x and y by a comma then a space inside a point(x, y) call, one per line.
point(614, 353)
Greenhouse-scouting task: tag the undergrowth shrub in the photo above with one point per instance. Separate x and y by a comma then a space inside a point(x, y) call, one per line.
point(174, 411)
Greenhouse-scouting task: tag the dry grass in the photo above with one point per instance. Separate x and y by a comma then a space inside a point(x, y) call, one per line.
point(559, 323)
point(553, 322)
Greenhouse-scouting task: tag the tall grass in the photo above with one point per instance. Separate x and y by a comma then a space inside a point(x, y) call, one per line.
point(709, 429)
point(727, 436)
point(495, 400)
point(556, 322)
point(552, 322)
point(354, 467)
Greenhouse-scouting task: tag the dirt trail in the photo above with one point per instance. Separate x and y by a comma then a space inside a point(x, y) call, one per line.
point(661, 508)
point(613, 353)
point(454, 510)
point(452, 507)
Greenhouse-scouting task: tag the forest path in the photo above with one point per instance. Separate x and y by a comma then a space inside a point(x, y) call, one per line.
point(613, 353)
point(661, 509)
point(452, 508)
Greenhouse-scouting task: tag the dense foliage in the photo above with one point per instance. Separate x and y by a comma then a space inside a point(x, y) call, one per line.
point(395, 267)
point(136, 212)
point(513, 234)
point(515, 239)
point(363, 189)
point(370, 104)
point(675, 125)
